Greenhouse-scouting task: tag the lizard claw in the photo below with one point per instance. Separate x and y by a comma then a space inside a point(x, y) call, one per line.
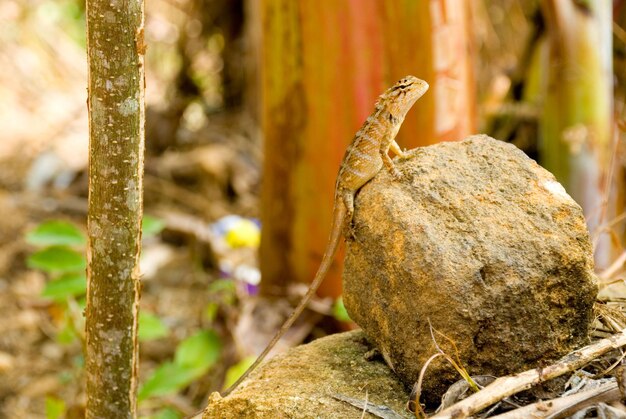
point(397, 175)
point(350, 232)
point(408, 154)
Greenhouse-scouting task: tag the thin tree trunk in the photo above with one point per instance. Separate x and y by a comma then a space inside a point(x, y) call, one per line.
point(116, 151)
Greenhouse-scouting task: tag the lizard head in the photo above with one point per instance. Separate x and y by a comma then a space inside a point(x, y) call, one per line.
point(401, 96)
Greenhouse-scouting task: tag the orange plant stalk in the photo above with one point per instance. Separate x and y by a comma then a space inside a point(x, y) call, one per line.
point(322, 69)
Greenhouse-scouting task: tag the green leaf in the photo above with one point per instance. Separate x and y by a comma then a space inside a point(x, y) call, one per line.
point(56, 232)
point(194, 356)
point(339, 311)
point(237, 370)
point(66, 377)
point(167, 413)
point(66, 335)
point(57, 259)
point(78, 361)
point(222, 285)
point(55, 408)
point(210, 311)
point(151, 226)
point(151, 327)
point(225, 289)
point(199, 351)
point(67, 285)
point(167, 379)
point(82, 302)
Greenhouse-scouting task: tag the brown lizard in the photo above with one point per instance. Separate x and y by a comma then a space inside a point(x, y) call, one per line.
point(363, 159)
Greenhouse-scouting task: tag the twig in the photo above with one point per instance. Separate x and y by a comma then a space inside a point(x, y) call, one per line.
point(380, 411)
point(365, 407)
point(512, 384)
point(458, 366)
point(611, 367)
point(615, 266)
point(417, 388)
point(565, 406)
point(619, 32)
point(182, 196)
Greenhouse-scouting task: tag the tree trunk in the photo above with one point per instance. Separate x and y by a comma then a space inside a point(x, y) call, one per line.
point(116, 151)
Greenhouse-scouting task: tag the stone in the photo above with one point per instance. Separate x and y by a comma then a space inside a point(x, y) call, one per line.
point(478, 249)
point(301, 383)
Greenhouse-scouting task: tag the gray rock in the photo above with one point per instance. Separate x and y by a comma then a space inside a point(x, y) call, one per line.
point(481, 243)
point(301, 383)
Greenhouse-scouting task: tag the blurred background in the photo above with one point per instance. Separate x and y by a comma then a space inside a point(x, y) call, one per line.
point(244, 91)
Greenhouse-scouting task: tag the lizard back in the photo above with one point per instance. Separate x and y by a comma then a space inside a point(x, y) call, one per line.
point(363, 158)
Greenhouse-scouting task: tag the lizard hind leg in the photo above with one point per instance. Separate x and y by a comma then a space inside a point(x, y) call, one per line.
point(347, 197)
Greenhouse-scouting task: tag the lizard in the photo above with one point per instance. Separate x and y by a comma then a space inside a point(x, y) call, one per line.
point(363, 159)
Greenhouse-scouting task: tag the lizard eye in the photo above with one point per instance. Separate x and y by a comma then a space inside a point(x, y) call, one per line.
point(403, 85)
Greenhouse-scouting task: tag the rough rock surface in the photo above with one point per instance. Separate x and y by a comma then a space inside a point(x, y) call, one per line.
point(300, 383)
point(482, 243)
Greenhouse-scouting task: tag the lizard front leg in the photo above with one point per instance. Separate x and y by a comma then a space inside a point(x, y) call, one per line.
point(396, 149)
point(384, 154)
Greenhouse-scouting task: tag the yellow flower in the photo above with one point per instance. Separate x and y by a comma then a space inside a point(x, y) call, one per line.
point(243, 233)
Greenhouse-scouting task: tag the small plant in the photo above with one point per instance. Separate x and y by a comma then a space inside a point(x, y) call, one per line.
point(61, 255)
point(193, 358)
point(55, 408)
point(339, 311)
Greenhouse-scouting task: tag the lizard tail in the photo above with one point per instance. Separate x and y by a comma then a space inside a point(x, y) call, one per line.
point(339, 215)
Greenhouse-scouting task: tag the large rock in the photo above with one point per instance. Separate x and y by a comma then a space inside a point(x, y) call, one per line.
point(481, 243)
point(301, 383)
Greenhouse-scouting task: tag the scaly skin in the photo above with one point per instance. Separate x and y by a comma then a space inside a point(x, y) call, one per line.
point(364, 158)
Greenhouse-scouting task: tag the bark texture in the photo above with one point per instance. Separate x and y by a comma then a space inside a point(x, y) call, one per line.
point(116, 146)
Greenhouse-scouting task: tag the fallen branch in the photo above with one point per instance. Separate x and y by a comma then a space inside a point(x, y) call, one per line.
point(565, 406)
point(512, 384)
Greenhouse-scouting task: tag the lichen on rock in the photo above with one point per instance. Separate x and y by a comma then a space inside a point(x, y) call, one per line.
point(301, 383)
